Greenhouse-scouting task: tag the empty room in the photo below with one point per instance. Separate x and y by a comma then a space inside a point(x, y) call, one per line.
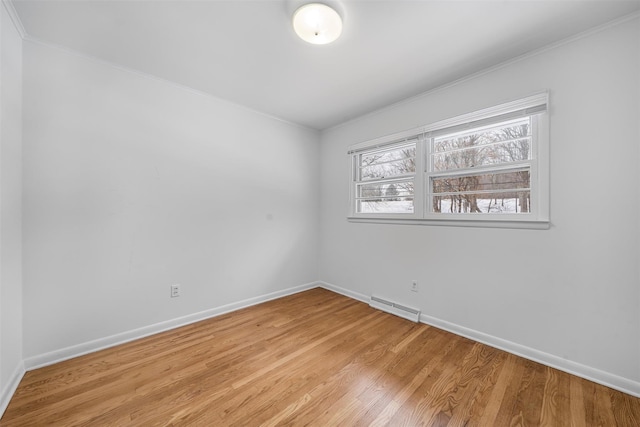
point(331, 213)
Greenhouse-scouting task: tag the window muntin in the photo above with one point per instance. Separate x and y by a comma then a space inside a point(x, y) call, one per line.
point(486, 168)
point(489, 193)
point(381, 164)
point(491, 145)
point(386, 197)
point(385, 180)
point(482, 170)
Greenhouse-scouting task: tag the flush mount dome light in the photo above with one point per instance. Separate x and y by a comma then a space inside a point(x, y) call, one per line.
point(317, 23)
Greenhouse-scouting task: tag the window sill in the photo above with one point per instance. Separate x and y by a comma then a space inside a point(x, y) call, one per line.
point(484, 223)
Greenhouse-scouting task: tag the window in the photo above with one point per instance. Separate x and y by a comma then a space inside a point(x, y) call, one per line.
point(385, 179)
point(487, 168)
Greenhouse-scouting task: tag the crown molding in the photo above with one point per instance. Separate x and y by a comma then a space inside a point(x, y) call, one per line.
point(148, 76)
point(531, 54)
point(13, 14)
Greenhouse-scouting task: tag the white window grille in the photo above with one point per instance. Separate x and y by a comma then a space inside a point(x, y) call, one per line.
point(486, 167)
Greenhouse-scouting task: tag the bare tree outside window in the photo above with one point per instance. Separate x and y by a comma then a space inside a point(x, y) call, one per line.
point(484, 168)
point(482, 192)
point(387, 180)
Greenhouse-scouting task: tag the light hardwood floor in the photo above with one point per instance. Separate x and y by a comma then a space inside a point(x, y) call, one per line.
point(314, 358)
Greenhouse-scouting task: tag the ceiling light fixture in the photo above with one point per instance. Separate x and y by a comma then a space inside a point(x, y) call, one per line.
point(317, 23)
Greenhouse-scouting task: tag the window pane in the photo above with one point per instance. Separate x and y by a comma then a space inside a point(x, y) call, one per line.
point(390, 163)
point(499, 153)
point(388, 170)
point(492, 203)
point(483, 182)
point(502, 143)
point(500, 192)
point(385, 197)
point(387, 190)
point(493, 162)
point(403, 205)
point(404, 152)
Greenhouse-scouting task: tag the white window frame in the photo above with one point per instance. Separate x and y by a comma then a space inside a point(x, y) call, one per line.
point(535, 106)
point(397, 140)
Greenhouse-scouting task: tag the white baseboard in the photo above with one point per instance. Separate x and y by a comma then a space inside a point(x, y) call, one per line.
point(56, 356)
point(601, 377)
point(346, 292)
point(608, 379)
point(11, 387)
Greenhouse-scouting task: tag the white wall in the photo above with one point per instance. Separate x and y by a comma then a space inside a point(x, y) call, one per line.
point(572, 291)
point(11, 367)
point(132, 184)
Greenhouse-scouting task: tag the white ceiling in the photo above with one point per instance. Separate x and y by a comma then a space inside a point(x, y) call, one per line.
point(246, 51)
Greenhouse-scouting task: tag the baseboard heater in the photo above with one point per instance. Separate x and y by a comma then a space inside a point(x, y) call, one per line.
point(395, 308)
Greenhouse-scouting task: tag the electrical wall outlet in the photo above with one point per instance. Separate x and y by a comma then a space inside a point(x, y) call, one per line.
point(175, 291)
point(414, 286)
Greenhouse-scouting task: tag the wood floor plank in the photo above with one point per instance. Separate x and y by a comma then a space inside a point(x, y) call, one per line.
point(555, 399)
point(603, 408)
point(479, 392)
point(528, 407)
point(437, 405)
point(341, 355)
point(402, 396)
point(314, 358)
point(225, 374)
point(497, 392)
point(577, 410)
point(377, 383)
point(438, 347)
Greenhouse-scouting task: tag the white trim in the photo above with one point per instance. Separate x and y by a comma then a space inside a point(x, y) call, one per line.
point(383, 141)
point(152, 77)
point(536, 52)
point(492, 113)
point(13, 14)
point(534, 107)
point(607, 379)
point(342, 291)
point(67, 353)
point(459, 222)
point(10, 389)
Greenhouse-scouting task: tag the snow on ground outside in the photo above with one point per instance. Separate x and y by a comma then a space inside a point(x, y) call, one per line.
point(406, 206)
